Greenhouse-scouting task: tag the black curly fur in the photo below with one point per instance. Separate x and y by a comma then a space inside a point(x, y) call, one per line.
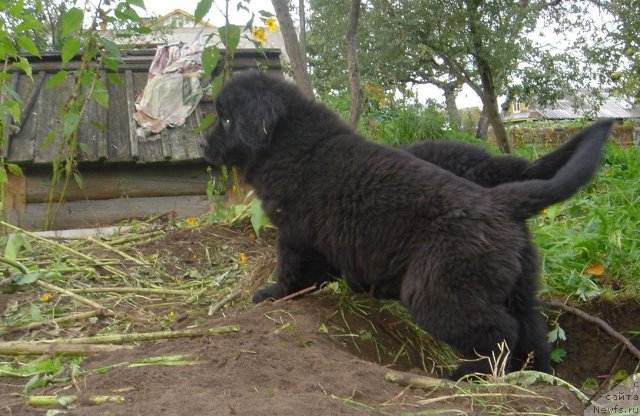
point(458, 255)
point(476, 164)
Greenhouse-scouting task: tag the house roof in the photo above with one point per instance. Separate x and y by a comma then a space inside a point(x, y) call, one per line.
point(567, 109)
point(611, 107)
point(108, 135)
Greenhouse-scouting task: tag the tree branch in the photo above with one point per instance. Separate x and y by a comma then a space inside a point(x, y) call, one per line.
point(598, 322)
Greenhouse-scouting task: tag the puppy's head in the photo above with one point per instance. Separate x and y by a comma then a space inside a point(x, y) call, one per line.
point(248, 109)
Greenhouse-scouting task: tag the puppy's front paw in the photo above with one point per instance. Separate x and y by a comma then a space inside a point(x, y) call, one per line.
point(273, 291)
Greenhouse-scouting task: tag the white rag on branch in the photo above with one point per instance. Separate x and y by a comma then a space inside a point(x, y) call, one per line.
point(174, 88)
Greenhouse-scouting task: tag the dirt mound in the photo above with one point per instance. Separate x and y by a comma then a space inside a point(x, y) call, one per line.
point(280, 362)
point(324, 354)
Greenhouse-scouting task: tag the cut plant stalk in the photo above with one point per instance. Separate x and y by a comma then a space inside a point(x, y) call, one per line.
point(146, 336)
point(41, 347)
point(230, 297)
point(67, 249)
point(137, 290)
point(47, 401)
point(413, 380)
point(101, 309)
point(54, 322)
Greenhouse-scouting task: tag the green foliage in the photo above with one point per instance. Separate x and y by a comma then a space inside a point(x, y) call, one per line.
point(597, 227)
point(13, 41)
point(227, 183)
point(617, 46)
point(399, 123)
point(406, 123)
point(41, 371)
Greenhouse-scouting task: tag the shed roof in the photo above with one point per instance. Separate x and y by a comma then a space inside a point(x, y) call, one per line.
point(117, 142)
point(611, 107)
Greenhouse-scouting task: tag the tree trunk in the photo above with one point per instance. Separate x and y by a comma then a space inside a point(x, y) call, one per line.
point(303, 32)
point(352, 63)
point(452, 108)
point(492, 110)
point(483, 125)
point(489, 98)
point(292, 46)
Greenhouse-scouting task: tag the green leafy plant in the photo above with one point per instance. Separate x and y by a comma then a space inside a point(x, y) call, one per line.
point(13, 43)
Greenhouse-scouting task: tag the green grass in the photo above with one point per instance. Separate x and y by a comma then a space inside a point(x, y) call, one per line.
point(599, 225)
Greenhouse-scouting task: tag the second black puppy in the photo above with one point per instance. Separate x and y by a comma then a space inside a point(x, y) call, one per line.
point(456, 254)
point(477, 164)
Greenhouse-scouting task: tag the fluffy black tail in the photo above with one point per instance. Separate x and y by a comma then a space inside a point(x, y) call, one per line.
point(527, 198)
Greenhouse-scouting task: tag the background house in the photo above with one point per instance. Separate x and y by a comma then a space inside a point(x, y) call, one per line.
point(618, 108)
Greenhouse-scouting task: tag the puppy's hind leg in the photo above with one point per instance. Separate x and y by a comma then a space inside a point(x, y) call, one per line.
point(464, 319)
point(297, 268)
point(524, 306)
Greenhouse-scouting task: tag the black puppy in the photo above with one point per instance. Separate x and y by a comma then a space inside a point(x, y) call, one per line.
point(476, 164)
point(457, 255)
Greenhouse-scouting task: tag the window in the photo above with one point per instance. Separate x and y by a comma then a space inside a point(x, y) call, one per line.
point(516, 105)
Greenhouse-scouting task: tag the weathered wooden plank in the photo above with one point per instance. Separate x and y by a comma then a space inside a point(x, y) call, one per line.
point(140, 60)
point(123, 181)
point(92, 138)
point(15, 199)
point(84, 214)
point(118, 123)
point(15, 81)
point(103, 144)
point(131, 108)
point(22, 144)
point(51, 105)
point(192, 140)
point(166, 136)
point(175, 138)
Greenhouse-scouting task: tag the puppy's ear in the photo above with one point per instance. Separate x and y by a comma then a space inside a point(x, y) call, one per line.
point(263, 113)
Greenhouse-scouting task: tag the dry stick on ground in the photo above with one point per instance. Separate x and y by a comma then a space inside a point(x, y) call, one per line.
point(39, 347)
point(146, 336)
point(296, 294)
point(597, 321)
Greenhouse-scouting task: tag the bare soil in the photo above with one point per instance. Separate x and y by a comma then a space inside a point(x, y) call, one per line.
point(287, 359)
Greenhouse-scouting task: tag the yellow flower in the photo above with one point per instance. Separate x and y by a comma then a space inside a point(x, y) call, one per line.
point(191, 220)
point(607, 174)
point(171, 314)
point(545, 211)
point(259, 35)
point(242, 259)
point(271, 23)
point(46, 297)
